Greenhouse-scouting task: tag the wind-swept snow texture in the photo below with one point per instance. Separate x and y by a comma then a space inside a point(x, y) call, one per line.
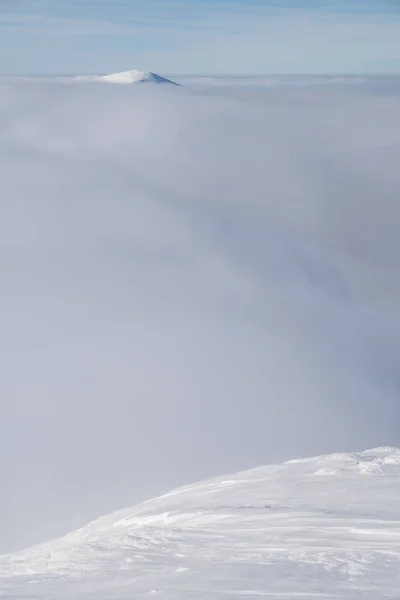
point(324, 527)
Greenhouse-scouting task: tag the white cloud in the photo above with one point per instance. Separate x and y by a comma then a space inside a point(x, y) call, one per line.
point(190, 285)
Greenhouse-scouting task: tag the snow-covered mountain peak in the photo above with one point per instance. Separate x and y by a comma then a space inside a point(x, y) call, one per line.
point(327, 526)
point(127, 77)
point(136, 77)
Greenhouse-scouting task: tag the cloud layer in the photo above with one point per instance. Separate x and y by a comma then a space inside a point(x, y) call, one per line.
point(194, 281)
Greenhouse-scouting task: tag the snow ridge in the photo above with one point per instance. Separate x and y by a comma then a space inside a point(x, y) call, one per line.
point(321, 527)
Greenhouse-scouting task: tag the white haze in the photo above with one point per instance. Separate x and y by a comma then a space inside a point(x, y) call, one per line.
point(193, 281)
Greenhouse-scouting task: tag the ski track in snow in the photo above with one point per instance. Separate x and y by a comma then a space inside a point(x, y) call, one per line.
point(325, 527)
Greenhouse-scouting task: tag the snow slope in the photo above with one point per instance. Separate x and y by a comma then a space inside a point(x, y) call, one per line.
point(324, 527)
point(130, 77)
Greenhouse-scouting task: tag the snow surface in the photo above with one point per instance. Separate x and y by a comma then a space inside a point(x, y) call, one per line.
point(129, 77)
point(324, 527)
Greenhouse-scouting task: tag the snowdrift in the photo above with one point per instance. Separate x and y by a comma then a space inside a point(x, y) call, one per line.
point(321, 527)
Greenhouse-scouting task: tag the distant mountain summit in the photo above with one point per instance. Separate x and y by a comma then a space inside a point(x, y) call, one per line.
point(136, 77)
point(127, 77)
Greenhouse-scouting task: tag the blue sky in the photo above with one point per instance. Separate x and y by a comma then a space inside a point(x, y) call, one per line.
point(200, 36)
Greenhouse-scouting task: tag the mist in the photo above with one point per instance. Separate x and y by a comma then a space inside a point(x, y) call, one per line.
point(194, 281)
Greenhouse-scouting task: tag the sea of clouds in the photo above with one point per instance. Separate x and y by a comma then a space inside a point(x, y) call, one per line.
point(194, 281)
